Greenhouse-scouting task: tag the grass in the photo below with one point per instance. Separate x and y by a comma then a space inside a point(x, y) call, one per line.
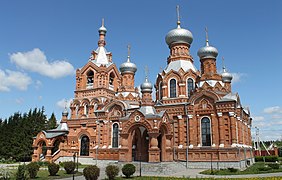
point(257, 168)
point(44, 174)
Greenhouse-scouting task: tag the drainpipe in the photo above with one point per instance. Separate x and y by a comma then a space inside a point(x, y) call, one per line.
point(187, 133)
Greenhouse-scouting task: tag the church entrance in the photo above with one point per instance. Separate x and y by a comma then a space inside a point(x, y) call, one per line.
point(140, 144)
point(84, 146)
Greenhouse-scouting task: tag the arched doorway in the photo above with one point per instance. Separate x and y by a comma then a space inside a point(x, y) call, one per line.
point(162, 143)
point(140, 144)
point(55, 146)
point(42, 150)
point(84, 146)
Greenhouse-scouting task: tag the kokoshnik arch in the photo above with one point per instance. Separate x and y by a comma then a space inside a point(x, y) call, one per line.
point(195, 111)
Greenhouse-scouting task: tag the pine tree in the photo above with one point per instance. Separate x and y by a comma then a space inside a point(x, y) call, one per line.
point(52, 122)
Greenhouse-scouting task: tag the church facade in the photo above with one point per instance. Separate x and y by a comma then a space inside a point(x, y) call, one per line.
point(195, 117)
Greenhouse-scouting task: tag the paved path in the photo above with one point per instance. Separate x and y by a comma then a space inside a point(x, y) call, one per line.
point(190, 173)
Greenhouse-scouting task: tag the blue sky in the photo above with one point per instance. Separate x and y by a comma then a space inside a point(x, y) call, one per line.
point(43, 42)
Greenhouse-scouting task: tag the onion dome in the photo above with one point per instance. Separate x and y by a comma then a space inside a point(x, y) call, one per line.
point(65, 112)
point(128, 67)
point(146, 86)
point(207, 51)
point(179, 35)
point(226, 76)
point(102, 29)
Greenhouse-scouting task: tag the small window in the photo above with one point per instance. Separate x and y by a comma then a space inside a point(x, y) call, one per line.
point(172, 86)
point(86, 109)
point(90, 78)
point(115, 136)
point(111, 79)
point(190, 86)
point(161, 90)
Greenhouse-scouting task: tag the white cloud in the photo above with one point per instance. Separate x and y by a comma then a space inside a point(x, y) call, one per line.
point(19, 100)
point(258, 118)
point(273, 110)
point(15, 79)
point(36, 61)
point(64, 103)
point(38, 84)
point(237, 77)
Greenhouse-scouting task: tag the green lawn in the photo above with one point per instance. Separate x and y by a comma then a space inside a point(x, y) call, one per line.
point(257, 168)
point(44, 174)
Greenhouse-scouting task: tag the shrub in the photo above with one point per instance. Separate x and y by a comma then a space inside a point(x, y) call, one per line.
point(271, 158)
point(112, 171)
point(128, 170)
point(69, 166)
point(274, 166)
point(32, 169)
point(43, 163)
point(53, 169)
point(91, 172)
point(233, 170)
point(264, 168)
point(259, 159)
point(21, 172)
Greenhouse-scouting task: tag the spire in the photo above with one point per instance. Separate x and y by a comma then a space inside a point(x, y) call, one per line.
point(128, 53)
point(102, 33)
point(146, 73)
point(207, 36)
point(178, 16)
point(223, 66)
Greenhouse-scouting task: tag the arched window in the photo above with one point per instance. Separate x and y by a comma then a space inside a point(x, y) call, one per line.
point(86, 109)
point(111, 79)
point(84, 146)
point(190, 86)
point(76, 111)
point(160, 91)
point(206, 132)
point(172, 88)
point(90, 77)
point(115, 135)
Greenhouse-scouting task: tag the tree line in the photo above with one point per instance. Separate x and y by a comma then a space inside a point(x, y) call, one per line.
point(17, 132)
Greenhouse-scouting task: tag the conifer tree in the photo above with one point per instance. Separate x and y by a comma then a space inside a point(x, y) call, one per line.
point(52, 122)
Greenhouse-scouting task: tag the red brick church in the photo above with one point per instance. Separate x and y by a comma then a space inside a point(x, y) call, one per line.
point(195, 111)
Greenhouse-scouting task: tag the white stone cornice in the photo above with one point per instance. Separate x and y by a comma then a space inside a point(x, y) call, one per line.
point(181, 95)
point(231, 114)
point(164, 87)
point(219, 114)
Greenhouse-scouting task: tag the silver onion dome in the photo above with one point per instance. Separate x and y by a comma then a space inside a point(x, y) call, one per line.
point(226, 76)
point(128, 67)
point(102, 29)
point(65, 112)
point(146, 86)
point(207, 52)
point(179, 35)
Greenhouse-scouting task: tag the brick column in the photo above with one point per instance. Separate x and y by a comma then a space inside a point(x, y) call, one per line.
point(192, 132)
point(198, 131)
point(214, 130)
point(221, 129)
point(240, 132)
point(233, 128)
point(180, 131)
